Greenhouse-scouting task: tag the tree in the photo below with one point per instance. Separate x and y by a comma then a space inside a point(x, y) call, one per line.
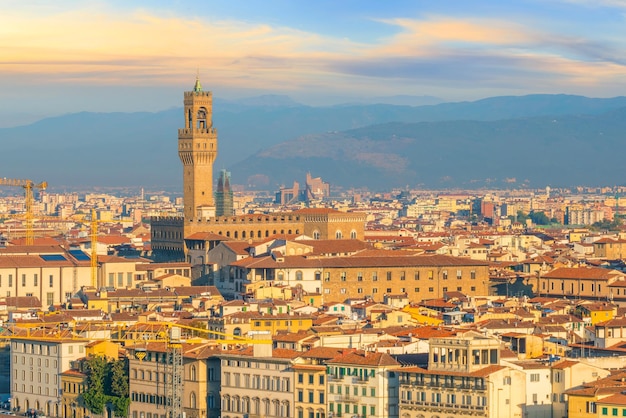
point(107, 383)
point(94, 397)
point(539, 218)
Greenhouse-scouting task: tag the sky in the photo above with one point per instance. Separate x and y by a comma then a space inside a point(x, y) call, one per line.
point(68, 56)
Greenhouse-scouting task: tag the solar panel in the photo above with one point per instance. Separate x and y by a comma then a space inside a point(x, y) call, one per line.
point(53, 257)
point(79, 255)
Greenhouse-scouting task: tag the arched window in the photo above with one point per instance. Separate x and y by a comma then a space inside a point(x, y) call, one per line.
point(338, 235)
point(192, 375)
point(298, 275)
point(237, 331)
point(192, 400)
point(353, 234)
point(202, 124)
point(280, 276)
point(316, 234)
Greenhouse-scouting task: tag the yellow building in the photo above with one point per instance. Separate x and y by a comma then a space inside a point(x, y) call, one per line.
point(74, 383)
point(107, 349)
point(594, 313)
point(310, 382)
point(280, 323)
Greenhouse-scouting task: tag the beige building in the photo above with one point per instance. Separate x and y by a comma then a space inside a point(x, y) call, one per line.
point(49, 273)
point(258, 384)
point(463, 378)
point(371, 275)
point(581, 282)
point(36, 367)
point(150, 379)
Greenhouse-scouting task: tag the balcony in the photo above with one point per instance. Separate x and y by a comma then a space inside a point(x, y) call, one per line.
point(335, 378)
point(444, 407)
point(346, 398)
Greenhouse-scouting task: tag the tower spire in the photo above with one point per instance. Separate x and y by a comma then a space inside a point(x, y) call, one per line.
point(197, 88)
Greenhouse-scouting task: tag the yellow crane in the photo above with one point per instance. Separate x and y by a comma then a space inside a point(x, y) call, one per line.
point(28, 186)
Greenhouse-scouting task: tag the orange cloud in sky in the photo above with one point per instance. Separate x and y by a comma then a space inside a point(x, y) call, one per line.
point(103, 47)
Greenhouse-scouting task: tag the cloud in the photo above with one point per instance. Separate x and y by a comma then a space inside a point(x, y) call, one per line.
point(98, 46)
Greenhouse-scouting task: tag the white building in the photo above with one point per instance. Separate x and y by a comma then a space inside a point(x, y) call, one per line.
point(36, 368)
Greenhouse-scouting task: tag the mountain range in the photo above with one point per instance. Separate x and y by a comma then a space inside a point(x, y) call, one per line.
point(265, 142)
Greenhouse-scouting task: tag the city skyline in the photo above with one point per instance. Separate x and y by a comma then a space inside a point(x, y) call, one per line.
point(111, 56)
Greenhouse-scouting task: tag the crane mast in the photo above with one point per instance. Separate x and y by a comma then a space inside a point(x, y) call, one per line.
point(28, 186)
point(175, 364)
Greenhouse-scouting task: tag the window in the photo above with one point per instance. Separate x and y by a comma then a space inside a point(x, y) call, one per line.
point(430, 275)
point(431, 289)
point(359, 276)
point(473, 274)
point(298, 275)
point(388, 275)
point(402, 276)
point(444, 274)
point(374, 276)
point(343, 276)
point(50, 298)
point(23, 280)
point(417, 290)
point(534, 377)
point(35, 280)
point(51, 280)
point(459, 274)
point(417, 275)
point(10, 280)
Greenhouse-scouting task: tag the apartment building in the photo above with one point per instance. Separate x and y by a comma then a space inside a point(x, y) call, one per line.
point(37, 366)
point(463, 378)
point(310, 382)
point(258, 382)
point(568, 374)
point(50, 273)
point(150, 377)
point(582, 282)
point(363, 384)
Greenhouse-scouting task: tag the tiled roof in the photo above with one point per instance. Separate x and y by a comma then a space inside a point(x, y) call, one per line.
point(364, 358)
point(595, 273)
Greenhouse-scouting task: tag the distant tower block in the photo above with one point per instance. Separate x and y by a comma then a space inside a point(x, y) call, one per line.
point(547, 192)
point(197, 149)
point(224, 195)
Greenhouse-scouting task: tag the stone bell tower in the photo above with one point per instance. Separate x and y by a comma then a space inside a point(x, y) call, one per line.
point(197, 149)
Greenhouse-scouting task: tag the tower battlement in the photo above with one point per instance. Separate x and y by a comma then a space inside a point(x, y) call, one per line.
point(190, 94)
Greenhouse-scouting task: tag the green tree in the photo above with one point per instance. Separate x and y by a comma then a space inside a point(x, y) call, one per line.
point(539, 218)
point(94, 397)
point(107, 383)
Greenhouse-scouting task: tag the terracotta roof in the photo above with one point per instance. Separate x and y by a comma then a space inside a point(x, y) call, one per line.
point(364, 358)
point(617, 399)
point(357, 261)
point(595, 273)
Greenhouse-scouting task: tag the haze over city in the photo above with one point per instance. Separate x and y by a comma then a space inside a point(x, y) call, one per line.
point(104, 56)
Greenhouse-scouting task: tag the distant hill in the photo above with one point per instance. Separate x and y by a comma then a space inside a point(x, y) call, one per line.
point(140, 149)
point(558, 150)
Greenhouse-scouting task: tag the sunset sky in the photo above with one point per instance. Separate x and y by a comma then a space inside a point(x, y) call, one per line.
point(70, 56)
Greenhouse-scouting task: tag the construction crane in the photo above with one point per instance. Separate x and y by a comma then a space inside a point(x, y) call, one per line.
point(28, 186)
point(162, 332)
